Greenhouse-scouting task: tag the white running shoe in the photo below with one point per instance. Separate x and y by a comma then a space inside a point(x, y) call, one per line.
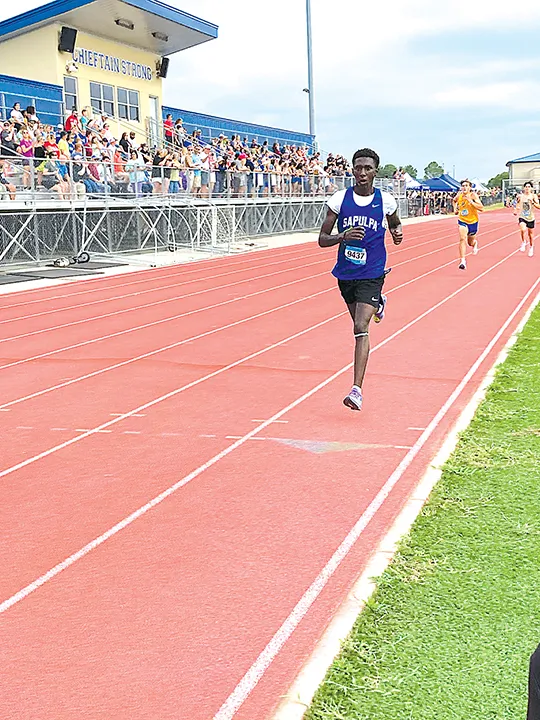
point(354, 399)
point(531, 251)
point(463, 264)
point(523, 246)
point(379, 315)
point(475, 248)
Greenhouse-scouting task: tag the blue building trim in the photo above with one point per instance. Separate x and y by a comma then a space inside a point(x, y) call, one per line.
point(527, 158)
point(212, 126)
point(155, 7)
point(40, 15)
point(48, 99)
point(46, 13)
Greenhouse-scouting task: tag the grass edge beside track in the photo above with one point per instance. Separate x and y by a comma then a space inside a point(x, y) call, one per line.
point(449, 631)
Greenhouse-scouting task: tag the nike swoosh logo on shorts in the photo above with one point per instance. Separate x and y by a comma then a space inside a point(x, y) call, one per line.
point(375, 299)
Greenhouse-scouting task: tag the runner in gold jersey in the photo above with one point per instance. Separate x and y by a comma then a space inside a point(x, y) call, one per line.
point(467, 204)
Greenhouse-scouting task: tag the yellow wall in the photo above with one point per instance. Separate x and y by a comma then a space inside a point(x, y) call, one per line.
point(86, 74)
point(35, 56)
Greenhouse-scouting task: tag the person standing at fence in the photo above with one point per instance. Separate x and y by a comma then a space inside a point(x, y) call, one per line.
point(466, 205)
point(363, 214)
point(526, 202)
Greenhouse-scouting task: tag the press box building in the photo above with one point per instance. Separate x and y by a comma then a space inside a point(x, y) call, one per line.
point(111, 56)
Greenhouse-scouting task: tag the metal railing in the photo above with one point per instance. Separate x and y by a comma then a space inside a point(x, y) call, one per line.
point(35, 179)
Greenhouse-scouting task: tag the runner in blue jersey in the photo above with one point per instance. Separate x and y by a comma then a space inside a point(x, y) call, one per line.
point(363, 215)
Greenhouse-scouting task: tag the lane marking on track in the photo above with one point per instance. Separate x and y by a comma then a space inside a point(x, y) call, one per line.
point(289, 252)
point(175, 285)
point(134, 308)
point(245, 687)
point(154, 323)
point(196, 293)
point(151, 353)
point(53, 572)
point(118, 414)
point(189, 295)
point(181, 342)
point(164, 301)
point(416, 428)
point(186, 269)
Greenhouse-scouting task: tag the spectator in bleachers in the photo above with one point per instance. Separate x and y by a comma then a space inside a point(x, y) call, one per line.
point(5, 185)
point(16, 116)
point(186, 163)
point(72, 122)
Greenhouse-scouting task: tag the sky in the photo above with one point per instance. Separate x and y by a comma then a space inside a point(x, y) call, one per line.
point(458, 83)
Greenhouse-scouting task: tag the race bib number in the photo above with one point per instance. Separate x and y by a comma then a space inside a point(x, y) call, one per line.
point(464, 212)
point(356, 255)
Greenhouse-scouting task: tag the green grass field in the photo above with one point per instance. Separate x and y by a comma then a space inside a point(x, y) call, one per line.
point(449, 632)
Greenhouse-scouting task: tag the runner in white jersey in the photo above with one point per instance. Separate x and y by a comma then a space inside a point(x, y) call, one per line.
point(526, 202)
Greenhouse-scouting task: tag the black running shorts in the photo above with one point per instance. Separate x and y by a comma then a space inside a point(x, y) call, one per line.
point(367, 292)
point(528, 223)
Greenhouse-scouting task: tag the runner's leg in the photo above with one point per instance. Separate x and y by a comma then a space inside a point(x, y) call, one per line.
point(463, 232)
point(523, 231)
point(362, 317)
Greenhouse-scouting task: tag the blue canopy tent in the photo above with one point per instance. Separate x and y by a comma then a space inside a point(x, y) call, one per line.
point(449, 179)
point(439, 185)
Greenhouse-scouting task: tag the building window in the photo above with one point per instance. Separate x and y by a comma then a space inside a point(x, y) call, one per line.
point(70, 94)
point(128, 105)
point(102, 98)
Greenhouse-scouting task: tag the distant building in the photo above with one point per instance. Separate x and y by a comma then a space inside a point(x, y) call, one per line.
point(524, 168)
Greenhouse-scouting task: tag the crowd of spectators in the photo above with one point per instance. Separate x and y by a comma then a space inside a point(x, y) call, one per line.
point(84, 156)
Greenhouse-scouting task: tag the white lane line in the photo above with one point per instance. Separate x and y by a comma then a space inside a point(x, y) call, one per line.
point(175, 298)
point(154, 323)
point(167, 347)
point(58, 429)
point(208, 436)
point(289, 253)
point(132, 432)
point(119, 414)
point(151, 353)
point(186, 270)
point(33, 586)
point(277, 421)
point(199, 292)
point(149, 290)
point(168, 395)
point(24, 427)
point(416, 428)
point(246, 685)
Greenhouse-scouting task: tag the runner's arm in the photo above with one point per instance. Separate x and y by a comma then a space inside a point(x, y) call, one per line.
point(476, 202)
point(536, 202)
point(517, 208)
point(326, 239)
point(395, 227)
point(455, 204)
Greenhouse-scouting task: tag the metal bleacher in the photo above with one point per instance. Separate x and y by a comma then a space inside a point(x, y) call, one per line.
point(211, 126)
point(46, 98)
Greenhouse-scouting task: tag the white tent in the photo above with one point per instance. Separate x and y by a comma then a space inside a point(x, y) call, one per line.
point(479, 186)
point(411, 183)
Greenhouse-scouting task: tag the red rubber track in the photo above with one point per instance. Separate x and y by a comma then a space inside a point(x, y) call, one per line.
point(163, 616)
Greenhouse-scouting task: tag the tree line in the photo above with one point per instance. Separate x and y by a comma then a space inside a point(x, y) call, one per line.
point(433, 169)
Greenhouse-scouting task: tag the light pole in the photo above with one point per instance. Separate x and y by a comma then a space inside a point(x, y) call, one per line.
point(309, 89)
